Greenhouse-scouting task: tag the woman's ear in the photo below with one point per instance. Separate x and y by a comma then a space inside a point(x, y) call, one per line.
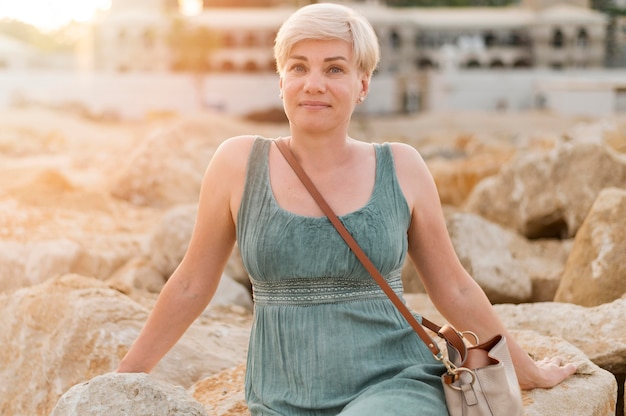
point(365, 85)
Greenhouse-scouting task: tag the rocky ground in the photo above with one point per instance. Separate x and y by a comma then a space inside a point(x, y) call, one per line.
point(95, 215)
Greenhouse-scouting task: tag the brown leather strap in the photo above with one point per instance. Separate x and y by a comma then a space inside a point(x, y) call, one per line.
point(360, 254)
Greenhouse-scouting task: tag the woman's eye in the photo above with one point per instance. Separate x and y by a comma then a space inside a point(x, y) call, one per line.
point(297, 68)
point(335, 70)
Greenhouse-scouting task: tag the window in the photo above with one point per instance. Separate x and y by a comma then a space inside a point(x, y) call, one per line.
point(395, 40)
point(251, 40)
point(558, 40)
point(582, 39)
point(490, 40)
point(251, 66)
point(425, 63)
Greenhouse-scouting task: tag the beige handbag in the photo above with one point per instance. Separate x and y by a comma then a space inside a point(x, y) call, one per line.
point(480, 380)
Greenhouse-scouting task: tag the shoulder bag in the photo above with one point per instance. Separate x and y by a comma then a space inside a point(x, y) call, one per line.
point(480, 379)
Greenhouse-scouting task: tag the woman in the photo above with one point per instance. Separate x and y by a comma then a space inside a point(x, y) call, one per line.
point(325, 339)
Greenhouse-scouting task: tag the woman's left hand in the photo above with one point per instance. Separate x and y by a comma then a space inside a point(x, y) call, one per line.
point(550, 372)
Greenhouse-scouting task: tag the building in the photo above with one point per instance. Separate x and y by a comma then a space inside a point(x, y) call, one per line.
point(137, 35)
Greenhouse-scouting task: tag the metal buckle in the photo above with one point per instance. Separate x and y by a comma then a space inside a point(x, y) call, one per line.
point(473, 334)
point(457, 376)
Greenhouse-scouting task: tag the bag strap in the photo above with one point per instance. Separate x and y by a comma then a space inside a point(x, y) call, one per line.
point(367, 263)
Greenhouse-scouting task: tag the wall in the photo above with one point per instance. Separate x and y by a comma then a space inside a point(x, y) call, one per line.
point(568, 92)
point(134, 95)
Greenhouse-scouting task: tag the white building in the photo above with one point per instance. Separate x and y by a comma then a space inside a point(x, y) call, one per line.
point(539, 54)
point(136, 35)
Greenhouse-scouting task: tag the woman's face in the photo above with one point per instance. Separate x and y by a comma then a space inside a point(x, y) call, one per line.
point(321, 85)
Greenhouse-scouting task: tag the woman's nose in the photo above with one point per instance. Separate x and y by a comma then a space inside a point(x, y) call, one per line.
point(315, 82)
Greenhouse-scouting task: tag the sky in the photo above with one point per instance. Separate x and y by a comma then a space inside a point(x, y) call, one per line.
point(51, 14)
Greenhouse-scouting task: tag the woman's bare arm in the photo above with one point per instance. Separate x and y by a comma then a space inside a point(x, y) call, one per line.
point(194, 282)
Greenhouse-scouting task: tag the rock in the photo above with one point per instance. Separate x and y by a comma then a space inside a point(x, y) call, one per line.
point(27, 264)
point(543, 260)
point(230, 292)
point(138, 274)
point(127, 394)
point(456, 177)
point(168, 166)
point(597, 331)
point(169, 242)
point(170, 238)
point(547, 195)
point(72, 328)
point(596, 268)
point(50, 227)
point(223, 394)
point(572, 395)
point(483, 249)
point(507, 266)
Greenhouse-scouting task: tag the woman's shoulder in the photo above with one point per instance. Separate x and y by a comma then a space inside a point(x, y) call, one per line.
point(411, 169)
point(405, 156)
point(237, 143)
point(236, 149)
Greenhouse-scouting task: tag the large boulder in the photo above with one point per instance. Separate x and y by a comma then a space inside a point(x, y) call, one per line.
point(549, 194)
point(127, 394)
point(72, 328)
point(597, 331)
point(472, 159)
point(484, 250)
point(571, 397)
point(596, 268)
point(166, 168)
point(170, 238)
point(223, 393)
point(506, 265)
point(49, 226)
point(167, 247)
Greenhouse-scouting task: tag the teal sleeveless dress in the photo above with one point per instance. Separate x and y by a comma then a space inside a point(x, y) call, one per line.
point(325, 339)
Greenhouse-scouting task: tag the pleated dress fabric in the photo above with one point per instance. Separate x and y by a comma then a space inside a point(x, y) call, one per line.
point(325, 339)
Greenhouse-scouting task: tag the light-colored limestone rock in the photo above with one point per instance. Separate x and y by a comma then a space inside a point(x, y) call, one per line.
point(507, 266)
point(591, 391)
point(127, 394)
point(598, 331)
point(549, 194)
point(456, 175)
point(138, 274)
point(71, 329)
point(169, 242)
point(170, 238)
point(483, 249)
point(167, 167)
point(223, 394)
point(595, 272)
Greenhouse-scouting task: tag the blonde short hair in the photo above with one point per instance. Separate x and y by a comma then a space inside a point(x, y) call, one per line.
point(328, 21)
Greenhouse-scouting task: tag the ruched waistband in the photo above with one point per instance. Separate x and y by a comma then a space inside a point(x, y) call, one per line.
point(319, 290)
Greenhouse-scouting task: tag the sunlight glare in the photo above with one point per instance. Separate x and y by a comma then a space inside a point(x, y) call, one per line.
point(190, 7)
point(49, 14)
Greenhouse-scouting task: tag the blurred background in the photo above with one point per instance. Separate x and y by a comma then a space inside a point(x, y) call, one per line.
point(114, 59)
